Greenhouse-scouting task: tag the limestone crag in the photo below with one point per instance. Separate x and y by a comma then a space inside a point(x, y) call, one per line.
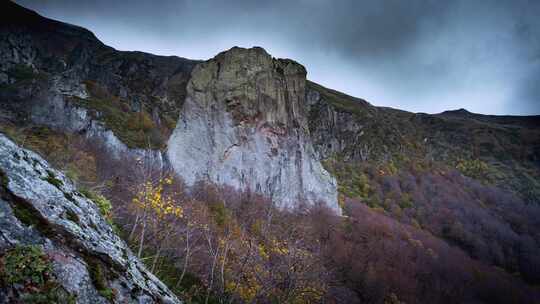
point(71, 231)
point(244, 124)
point(239, 119)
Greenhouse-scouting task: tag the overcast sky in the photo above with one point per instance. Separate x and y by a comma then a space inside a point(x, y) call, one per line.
point(417, 55)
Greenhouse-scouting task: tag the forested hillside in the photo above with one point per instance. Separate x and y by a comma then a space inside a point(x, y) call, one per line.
point(237, 180)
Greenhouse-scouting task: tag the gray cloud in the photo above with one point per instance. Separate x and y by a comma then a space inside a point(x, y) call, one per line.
point(418, 55)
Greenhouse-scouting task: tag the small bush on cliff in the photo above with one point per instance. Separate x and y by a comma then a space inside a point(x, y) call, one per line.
point(52, 179)
point(29, 270)
point(26, 265)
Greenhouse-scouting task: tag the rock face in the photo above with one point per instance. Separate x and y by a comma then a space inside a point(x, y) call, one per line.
point(333, 132)
point(244, 124)
point(61, 76)
point(239, 119)
point(70, 59)
point(72, 233)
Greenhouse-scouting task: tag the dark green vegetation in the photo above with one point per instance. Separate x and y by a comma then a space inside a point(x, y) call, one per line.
point(98, 273)
point(28, 270)
point(51, 178)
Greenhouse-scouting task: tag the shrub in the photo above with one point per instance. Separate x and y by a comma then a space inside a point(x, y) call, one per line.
point(474, 168)
point(406, 201)
point(26, 265)
point(28, 270)
point(52, 179)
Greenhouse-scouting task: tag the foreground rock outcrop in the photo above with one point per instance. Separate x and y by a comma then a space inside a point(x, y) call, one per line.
point(244, 124)
point(40, 208)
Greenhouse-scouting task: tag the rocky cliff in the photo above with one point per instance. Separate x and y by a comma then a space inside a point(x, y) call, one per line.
point(55, 244)
point(238, 119)
point(242, 118)
point(244, 124)
point(61, 76)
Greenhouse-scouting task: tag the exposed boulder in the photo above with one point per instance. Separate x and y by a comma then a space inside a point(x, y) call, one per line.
point(40, 209)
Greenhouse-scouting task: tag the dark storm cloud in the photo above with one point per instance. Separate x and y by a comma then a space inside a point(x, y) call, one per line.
point(417, 55)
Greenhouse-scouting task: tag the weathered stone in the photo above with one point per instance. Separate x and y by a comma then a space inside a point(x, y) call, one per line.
point(242, 121)
point(244, 124)
point(71, 230)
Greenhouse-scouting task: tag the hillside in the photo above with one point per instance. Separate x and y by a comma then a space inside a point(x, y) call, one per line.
point(238, 180)
point(499, 150)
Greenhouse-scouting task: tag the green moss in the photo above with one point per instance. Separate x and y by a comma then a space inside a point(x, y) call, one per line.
point(51, 178)
point(98, 274)
point(26, 215)
point(107, 293)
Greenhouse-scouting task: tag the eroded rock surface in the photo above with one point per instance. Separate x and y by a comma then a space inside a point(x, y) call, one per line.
point(244, 124)
point(71, 231)
point(240, 118)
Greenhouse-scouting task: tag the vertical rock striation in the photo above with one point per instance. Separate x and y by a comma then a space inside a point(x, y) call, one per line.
point(244, 124)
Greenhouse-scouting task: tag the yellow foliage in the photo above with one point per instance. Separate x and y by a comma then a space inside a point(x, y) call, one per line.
point(151, 197)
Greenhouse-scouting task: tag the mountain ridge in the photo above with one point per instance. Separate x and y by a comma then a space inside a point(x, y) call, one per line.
point(247, 122)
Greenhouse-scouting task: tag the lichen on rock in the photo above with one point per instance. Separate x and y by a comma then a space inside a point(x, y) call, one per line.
point(40, 207)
